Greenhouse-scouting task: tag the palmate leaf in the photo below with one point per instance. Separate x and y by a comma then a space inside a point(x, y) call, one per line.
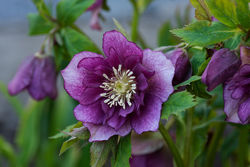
point(201, 10)
point(189, 81)
point(77, 42)
point(177, 103)
point(67, 11)
point(224, 11)
point(38, 25)
point(243, 13)
point(203, 33)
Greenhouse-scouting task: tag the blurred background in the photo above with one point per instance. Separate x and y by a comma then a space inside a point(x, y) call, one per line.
point(15, 45)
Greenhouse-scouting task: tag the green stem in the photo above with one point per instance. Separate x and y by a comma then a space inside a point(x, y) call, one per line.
point(212, 149)
point(135, 21)
point(188, 138)
point(243, 149)
point(171, 145)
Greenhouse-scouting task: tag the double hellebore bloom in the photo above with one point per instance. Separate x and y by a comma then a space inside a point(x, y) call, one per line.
point(120, 92)
point(183, 69)
point(37, 74)
point(223, 65)
point(95, 9)
point(237, 92)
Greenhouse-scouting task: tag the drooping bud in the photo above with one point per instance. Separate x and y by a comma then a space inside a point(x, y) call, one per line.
point(223, 65)
point(95, 9)
point(182, 65)
point(37, 74)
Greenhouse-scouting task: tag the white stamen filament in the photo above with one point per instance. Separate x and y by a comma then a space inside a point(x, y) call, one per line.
point(120, 88)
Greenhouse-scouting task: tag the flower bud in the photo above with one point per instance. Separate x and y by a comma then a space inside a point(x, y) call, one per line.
point(37, 74)
point(182, 65)
point(223, 65)
point(95, 9)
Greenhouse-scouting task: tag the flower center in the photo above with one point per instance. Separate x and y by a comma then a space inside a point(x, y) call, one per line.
point(119, 88)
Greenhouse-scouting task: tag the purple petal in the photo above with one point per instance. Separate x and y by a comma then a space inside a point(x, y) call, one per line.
point(117, 48)
point(36, 85)
point(97, 4)
point(231, 105)
point(104, 132)
point(116, 121)
point(161, 83)
point(23, 77)
point(127, 110)
point(49, 78)
point(222, 66)
point(149, 118)
point(142, 82)
point(74, 76)
point(90, 95)
point(244, 111)
point(89, 113)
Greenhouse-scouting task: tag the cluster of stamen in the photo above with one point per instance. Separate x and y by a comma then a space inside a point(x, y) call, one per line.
point(120, 88)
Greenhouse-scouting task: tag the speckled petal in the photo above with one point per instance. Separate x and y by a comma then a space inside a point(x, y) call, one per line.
point(74, 76)
point(23, 77)
point(149, 118)
point(161, 83)
point(104, 132)
point(244, 111)
point(116, 47)
point(35, 88)
point(89, 113)
point(231, 105)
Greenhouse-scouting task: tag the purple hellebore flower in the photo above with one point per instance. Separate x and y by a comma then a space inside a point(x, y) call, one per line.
point(183, 69)
point(237, 92)
point(223, 65)
point(95, 8)
point(38, 75)
point(120, 92)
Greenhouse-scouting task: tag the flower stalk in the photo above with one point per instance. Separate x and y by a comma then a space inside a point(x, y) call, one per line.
point(188, 138)
point(135, 21)
point(211, 153)
point(171, 145)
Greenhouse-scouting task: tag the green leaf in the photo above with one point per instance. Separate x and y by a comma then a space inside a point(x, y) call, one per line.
point(42, 9)
point(189, 81)
point(177, 103)
point(198, 56)
point(28, 137)
point(203, 33)
point(16, 104)
point(121, 29)
point(8, 152)
point(219, 118)
point(123, 152)
point(68, 11)
point(199, 89)
point(165, 37)
point(243, 13)
point(38, 25)
point(68, 144)
point(233, 42)
point(64, 132)
point(76, 42)
point(100, 150)
point(224, 11)
point(201, 10)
